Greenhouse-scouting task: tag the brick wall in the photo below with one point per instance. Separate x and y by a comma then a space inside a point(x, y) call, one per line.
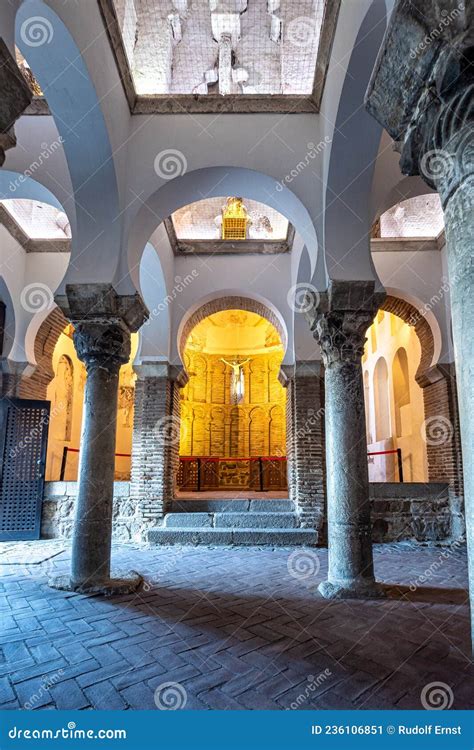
point(155, 442)
point(211, 425)
point(443, 439)
point(305, 444)
point(414, 318)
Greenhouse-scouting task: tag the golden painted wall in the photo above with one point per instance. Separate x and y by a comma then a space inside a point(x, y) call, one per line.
point(66, 393)
point(211, 425)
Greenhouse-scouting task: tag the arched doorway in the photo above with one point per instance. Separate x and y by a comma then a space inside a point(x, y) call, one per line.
point(394, 400)
point(233, 426)
point(65, 391)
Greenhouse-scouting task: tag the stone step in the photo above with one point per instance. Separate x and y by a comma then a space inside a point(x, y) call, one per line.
point(256, 520)
point(198, 535)
point(231, 520)
point(266, 505)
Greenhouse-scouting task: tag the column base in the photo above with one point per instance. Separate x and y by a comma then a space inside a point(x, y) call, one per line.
point(124, 583)
point(355, 590)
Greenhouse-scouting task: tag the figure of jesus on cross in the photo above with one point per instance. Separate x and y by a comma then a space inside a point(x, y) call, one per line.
point(237, 383)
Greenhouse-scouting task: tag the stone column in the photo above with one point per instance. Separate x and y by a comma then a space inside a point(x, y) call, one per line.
point(102, 323)
point(339, 320)
point(422, 92)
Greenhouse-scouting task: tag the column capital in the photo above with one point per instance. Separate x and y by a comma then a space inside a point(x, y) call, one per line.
point(83, 303)
point(15, 96)
point(339, 318)
point(103, 321)
point(422, 91)
point(102, 343)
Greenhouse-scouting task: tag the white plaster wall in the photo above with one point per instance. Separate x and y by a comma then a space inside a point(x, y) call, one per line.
point(56, 443)
point(39, 274)
point(13, 269)
point(418, 278)
point(388, 341)
point(34, 135)
point(262, 276)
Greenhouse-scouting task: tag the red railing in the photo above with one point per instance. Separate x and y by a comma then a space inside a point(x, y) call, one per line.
point(398, 451)
point(67, 450)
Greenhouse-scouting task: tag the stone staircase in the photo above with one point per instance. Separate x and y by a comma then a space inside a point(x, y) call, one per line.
point(233, 522)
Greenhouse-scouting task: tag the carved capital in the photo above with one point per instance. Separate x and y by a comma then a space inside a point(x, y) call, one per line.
point(341, 336)
point(15, 96)
point(339, 319)
point(439, 142)
point(102, 343)
point(422, 91)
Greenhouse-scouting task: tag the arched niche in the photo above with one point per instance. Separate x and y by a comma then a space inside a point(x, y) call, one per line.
point(382, 402)
point(401, 391)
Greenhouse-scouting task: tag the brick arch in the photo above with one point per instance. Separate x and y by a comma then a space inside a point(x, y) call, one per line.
point(46, 339)
point(230, 303)
point(410, 315)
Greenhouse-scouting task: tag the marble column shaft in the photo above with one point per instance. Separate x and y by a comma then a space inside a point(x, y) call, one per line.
point(103, 321)
point(103, 346)
point(423, 95)
point(339, 323)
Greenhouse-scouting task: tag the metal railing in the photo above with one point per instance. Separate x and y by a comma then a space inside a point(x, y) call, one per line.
point(67, 450)
point(398, 451)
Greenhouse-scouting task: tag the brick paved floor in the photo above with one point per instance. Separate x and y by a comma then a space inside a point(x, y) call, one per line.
point(236, 629)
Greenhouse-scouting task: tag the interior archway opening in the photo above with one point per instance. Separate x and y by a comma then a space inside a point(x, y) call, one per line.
point(66, 393)
point(394, 404)
point(233, 407)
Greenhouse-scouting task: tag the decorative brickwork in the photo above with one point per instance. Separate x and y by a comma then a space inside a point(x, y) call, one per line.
point(443, 439)
point(155, 443)
point(211, 425)
point(305, 444)
point(410, 315)
point(49, 331)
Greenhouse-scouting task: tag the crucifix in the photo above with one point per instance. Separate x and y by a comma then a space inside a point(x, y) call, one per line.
point(237, 383)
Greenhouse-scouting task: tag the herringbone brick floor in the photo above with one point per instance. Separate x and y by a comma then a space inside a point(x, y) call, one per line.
point(234, 628)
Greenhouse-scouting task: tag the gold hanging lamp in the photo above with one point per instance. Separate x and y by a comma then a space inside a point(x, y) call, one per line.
point(234, 220)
